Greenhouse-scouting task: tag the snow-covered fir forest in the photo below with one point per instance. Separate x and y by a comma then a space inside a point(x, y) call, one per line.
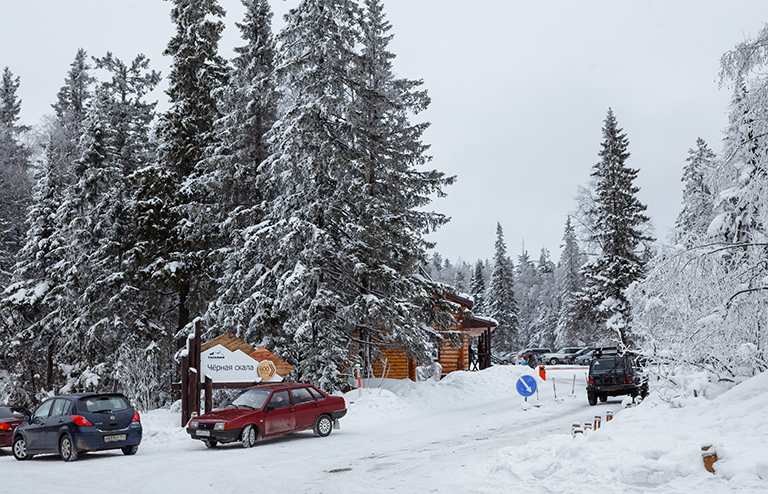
point(284, 197)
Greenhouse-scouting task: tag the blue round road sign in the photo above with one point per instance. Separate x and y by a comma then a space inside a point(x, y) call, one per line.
point(526, 386)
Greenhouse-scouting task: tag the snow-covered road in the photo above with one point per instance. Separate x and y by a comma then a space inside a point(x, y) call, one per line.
point(468, 433)
point(419, 437)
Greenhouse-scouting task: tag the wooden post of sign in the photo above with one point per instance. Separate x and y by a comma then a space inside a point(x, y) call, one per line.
point(184, 390)
point(190, 376)
point(208, 394)
point(197, 345)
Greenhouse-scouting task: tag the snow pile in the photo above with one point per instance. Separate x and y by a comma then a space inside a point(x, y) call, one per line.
point(655, 447)
point(456, 390)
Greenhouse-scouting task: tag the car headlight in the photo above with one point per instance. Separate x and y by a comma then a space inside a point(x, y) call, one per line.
point(193, 424)
point(220, 426)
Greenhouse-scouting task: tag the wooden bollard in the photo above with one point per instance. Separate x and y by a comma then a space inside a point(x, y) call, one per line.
point(598, 419)
point(608, 416)
point(587, 426)
point(576, 429)
point(710, 457)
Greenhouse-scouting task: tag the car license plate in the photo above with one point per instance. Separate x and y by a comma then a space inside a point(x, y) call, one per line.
point(115, 438)
point(204, 433)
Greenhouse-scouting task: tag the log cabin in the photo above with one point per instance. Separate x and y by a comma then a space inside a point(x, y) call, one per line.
point(394, 364)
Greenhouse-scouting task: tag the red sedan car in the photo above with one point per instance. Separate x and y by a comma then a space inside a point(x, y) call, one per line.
point(10, 418)
point(269, 410)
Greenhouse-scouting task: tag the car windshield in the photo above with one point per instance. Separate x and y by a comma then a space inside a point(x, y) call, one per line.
point(250, 398)
point(104, 404)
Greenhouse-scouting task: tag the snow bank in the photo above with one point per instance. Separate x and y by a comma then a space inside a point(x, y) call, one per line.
point(456, 390)
point(657, 448)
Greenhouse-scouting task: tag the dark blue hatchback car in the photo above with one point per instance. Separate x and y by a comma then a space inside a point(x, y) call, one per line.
point(71, 424)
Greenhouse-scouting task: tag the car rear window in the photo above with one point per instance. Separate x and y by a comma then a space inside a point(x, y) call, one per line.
point(11, 412)
point(103, 404)
point(607, 364)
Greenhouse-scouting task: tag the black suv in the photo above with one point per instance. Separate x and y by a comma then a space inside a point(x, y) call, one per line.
point(614, 375)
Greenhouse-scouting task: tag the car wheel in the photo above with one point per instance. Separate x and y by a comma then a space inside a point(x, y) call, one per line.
point(603, 398)
point(20, 449)
point(210, 443)
point(553, 361)
point(250, 436)
point(323, 426)
point(67, 449)
point(592, 398)
point(130, 450)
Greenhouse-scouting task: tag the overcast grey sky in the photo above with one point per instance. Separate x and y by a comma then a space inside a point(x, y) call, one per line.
point(519, 91)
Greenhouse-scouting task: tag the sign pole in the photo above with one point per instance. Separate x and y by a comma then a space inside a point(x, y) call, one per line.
point(358, 371)
point(184, 390)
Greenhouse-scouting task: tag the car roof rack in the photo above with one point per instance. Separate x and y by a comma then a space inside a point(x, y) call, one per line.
point(606, 350)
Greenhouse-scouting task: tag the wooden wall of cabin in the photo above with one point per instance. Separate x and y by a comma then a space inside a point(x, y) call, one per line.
point(398, 366)
point(453, 358)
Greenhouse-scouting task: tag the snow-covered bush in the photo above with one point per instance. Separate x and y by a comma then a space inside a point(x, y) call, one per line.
point(139, 373)
point(692, 306)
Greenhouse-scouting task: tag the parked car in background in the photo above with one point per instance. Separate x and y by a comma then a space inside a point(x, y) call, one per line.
point(11, 416)
point(75, 423)
point(503, 358)
point(582, 357)
point(560, 356)
point(269, 410)
point(587, 357)
point(537, 352)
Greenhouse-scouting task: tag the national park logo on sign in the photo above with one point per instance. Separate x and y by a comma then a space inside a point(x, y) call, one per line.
point(266, 370)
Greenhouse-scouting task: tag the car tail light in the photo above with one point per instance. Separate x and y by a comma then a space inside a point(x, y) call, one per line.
point(136, 417)
point(80, 420)
point(4, 426)
point(591, 381)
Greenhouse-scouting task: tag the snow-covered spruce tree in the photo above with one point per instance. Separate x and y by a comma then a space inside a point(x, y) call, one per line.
point(344, 191)
point(698, 201)
point(15, 197)
point(739, 180)
point(25, 302)
point(460, 278)
point(477, 288)
point(548, 303)
point(246, 293)
point(70, 107)
point(15, 176)
point(620, 231)
point(179, 228)
point(500, 302)
point(392, 188)
point(100, 305)
point(526, 293)
point(30, 299)
point(572, 322)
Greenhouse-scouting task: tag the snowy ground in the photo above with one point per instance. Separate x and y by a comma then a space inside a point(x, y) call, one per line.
point(469, 433)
